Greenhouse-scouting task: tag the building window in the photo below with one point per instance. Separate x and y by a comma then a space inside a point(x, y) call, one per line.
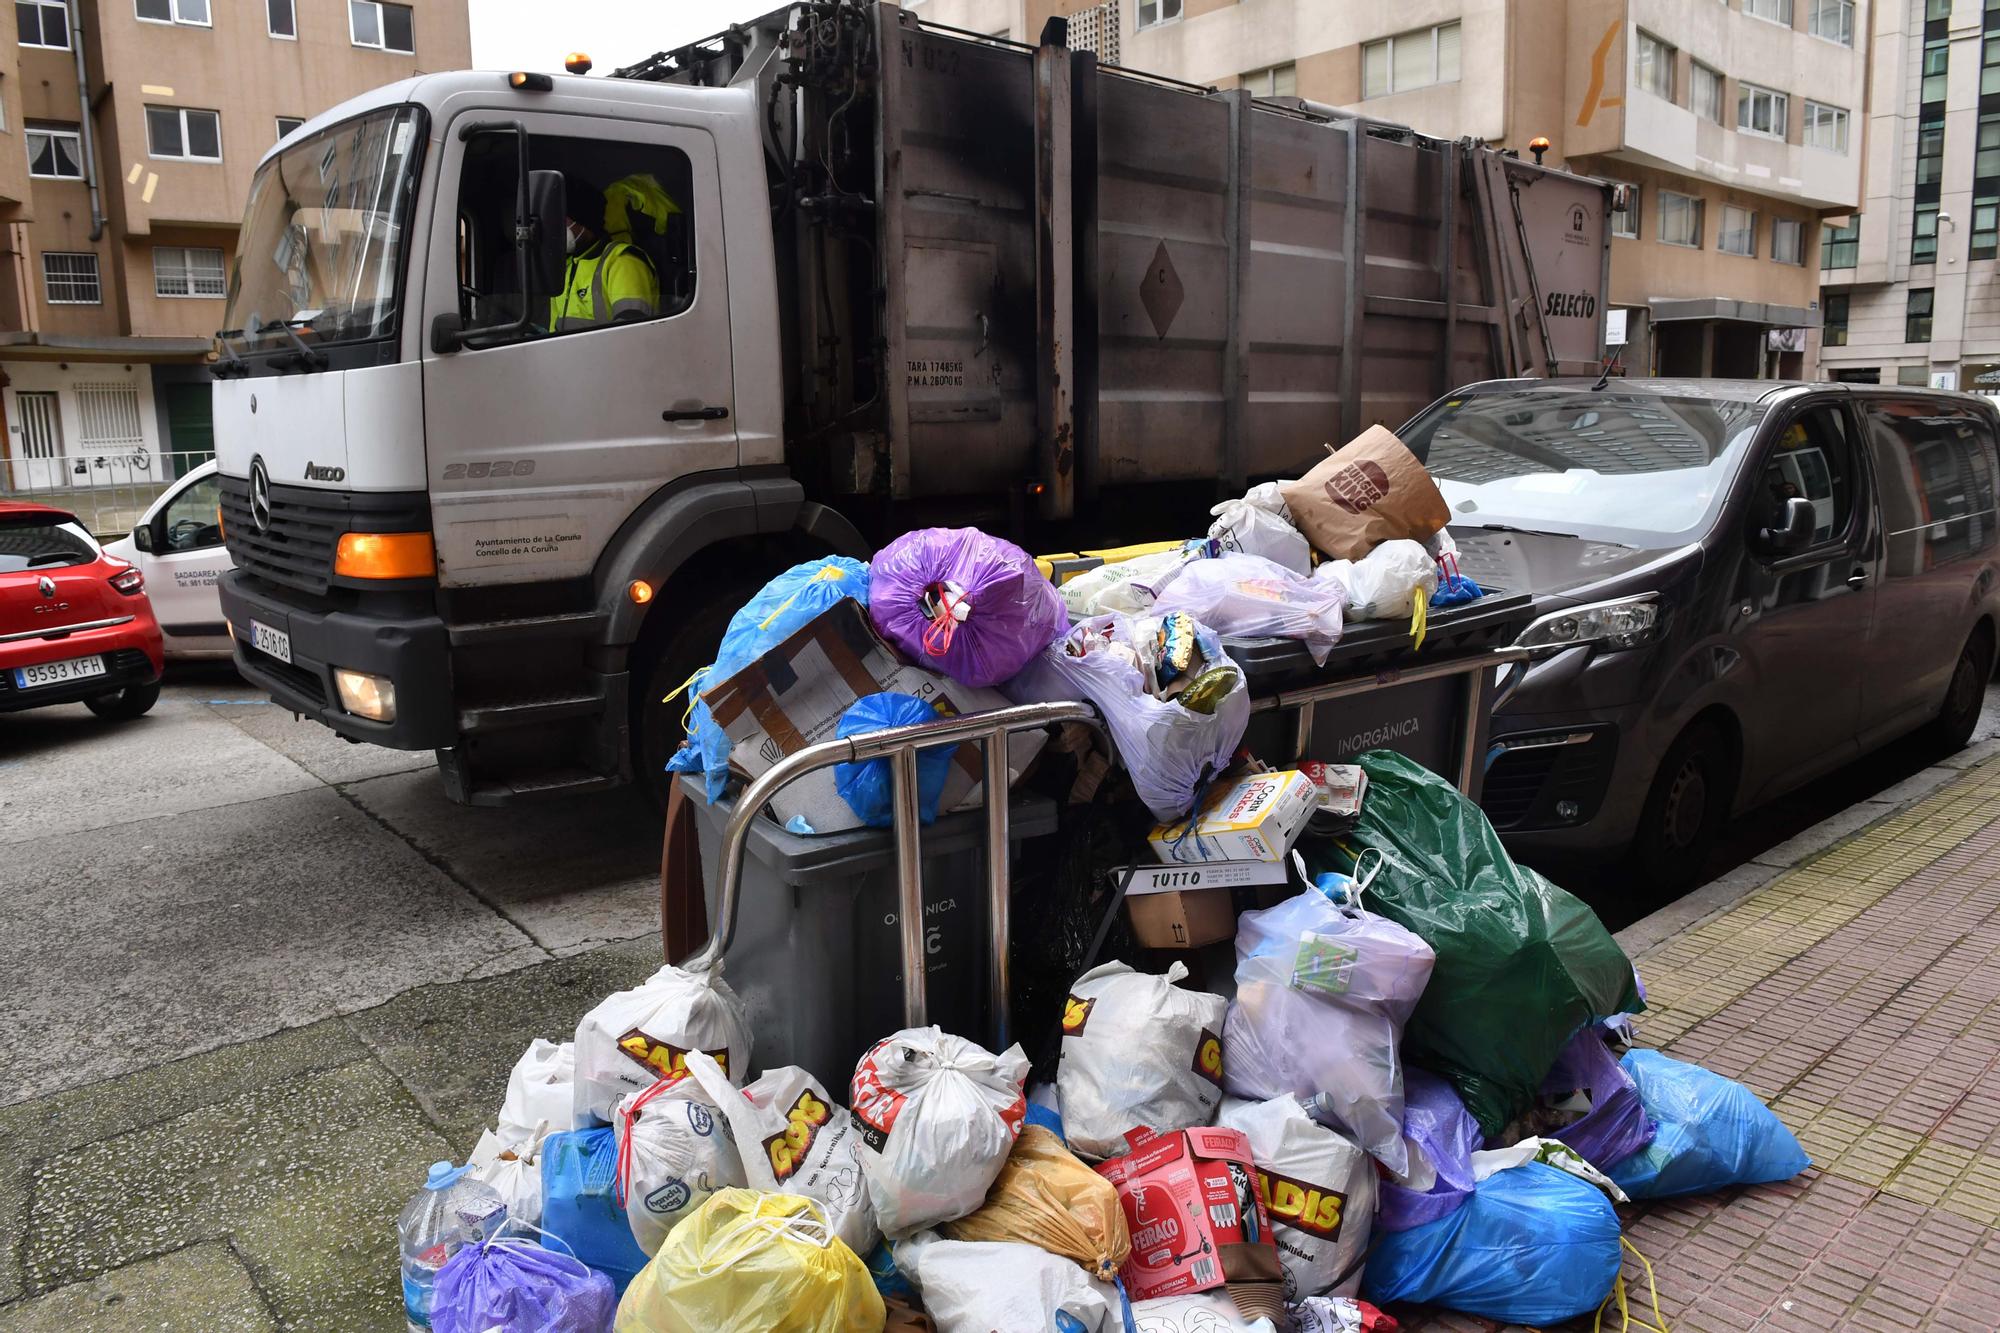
point(1923, 235)
point(1777, 11)
point(1989, 63)
point(1832, 20)
point(1653, 66)
point(1410, 60)
point(1761, 110)
point(1936, 10)
point(1705, 93)
point(183, 133)
point(1930, 148)
point(1155, 12)
point(1625, 221)
point(43, 23)
point(1913, 377)
point(1826, 127)
point(1840, 247)
point(1833, 319)
point(54, 151)
point(1277, 81)
point(286, 124)
point(71, 279)
point(1788, 239)
point(191, 12)
point(1985, 223)
point(187, 270)
point(1739, 231)
point(1937, 68)
point(1917, 316)
point(1680, 219)
point(387, 27)
point(1986, 162)
point(281, 19)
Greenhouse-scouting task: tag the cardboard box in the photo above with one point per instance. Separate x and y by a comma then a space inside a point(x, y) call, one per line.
point(793, 696)
point(1258, 818)
point(1196, 1213)
point(1182, 918)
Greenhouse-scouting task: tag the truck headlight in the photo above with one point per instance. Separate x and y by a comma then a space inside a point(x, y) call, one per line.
point(372, 697)
point(1624, 623)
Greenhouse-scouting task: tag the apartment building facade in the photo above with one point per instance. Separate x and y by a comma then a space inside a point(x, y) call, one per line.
point(1738, 123)
point(1911, 284)
point(129, 131)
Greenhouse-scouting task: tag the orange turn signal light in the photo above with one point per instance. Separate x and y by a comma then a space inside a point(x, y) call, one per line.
point(640, 591)
point(385, 555)
point(576, 62)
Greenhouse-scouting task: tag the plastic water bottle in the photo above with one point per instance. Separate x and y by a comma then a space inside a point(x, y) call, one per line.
point(450, 1212)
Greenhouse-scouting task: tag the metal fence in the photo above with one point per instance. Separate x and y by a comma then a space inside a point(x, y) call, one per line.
point(107, 489)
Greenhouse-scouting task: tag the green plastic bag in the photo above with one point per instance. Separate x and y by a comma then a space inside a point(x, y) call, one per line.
point(1521, 965)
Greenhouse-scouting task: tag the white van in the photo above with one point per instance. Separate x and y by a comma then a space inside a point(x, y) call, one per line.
point(178, 546)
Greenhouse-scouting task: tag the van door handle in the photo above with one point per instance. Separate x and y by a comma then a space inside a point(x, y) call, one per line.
point(1857, 579)
point(695, 414)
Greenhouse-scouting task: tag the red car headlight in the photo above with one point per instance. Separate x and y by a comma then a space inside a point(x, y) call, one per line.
point(130, 582)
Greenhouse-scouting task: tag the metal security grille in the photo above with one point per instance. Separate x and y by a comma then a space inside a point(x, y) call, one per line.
point(1096, 30)
point(71, 278)
point(187, 271)
point(108, 419)
point(41, 423)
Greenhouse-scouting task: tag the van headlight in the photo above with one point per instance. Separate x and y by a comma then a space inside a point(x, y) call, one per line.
point(1625, 623)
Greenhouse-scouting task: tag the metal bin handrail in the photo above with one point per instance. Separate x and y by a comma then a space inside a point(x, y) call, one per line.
point(900, 745)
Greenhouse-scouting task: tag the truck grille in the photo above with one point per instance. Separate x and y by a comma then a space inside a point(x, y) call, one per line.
point(303, 679)
point(1527, 780)
point(297, 549)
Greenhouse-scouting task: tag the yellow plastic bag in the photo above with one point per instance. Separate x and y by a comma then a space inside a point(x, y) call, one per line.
point(1045, 1196)
point(746, 1262)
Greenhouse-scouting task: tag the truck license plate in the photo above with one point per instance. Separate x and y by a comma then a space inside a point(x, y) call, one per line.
point(273, 641)
point(55, 673)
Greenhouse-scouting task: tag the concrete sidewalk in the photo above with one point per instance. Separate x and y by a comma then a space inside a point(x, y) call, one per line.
point(1857, 991)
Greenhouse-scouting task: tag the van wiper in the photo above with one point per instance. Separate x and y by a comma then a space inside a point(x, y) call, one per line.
point(1530, 532)
point(232, 363)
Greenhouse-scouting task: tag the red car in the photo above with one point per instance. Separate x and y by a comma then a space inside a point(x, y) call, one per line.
point(75, 625)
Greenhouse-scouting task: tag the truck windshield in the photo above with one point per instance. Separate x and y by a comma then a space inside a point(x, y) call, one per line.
point(320, 255)
point(1639, 469)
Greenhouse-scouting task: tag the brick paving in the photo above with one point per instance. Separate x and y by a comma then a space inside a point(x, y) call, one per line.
point(1858, 995)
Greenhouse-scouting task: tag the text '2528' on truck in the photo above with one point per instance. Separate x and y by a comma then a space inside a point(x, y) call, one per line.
point(836, 274)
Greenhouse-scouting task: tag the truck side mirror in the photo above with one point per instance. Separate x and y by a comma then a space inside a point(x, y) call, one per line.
point(142, 537)
point(1794, 532)
point(548, 206)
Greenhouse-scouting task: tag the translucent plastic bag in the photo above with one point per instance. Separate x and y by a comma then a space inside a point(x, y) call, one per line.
point(1247, 596)
point(964, 603)
point(1322, 994)
point(1260, 524)
point(1046, 1196)
point(1388, 582)
point(1138, 1052)
point(1533, 1245)
point(1126, 586)
point(938, 1116)
point(1169, 750)
point(541, 1093)
point(1319, 1190)
point(1003, 1287)
point(1713, 1133)
point(634, 1038)
point(510, 1284)
point(753, 1263)
point(514, 1170)
point(1442, 1137)
point(868, 787)
point(761, 624)
point(673, 1152)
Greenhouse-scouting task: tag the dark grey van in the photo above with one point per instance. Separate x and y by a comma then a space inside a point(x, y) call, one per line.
point(1740, 585)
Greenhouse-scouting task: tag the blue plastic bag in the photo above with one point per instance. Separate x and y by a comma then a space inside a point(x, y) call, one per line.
point(867, 787)
point(580, 1206)
point(1533, 1245)
point(759, 625)
point(512, 1285)
point(1713, 1133)
point(1456, 590)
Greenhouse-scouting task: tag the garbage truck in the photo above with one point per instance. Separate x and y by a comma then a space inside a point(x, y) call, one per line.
point(528, 380)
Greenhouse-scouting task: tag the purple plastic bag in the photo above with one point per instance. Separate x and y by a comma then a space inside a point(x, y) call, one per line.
point(1437, 1124)
point(1617, 1125)
point(963, 603)
point(513, 1285)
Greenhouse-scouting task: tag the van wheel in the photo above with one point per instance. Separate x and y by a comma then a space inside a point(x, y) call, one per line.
point(1965, 697)
point(1684, 810)
point(662, 661)
point(130, 702)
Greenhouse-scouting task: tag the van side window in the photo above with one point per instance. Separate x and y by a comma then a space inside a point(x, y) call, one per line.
point(1814, 459)
point(1936, 464)
point(191, 518)
point(630, 233)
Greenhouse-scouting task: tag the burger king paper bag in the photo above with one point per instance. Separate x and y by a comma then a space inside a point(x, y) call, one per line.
point(1372, 490)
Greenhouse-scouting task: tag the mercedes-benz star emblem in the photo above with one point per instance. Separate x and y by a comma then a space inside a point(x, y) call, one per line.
point(260, 495)
point(46, 586)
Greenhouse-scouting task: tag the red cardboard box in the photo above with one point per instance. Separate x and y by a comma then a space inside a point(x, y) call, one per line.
point(1196, 1211)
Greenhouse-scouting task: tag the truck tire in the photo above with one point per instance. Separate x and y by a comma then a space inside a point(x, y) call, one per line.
point(1684, 810)
point(662, 661)
point(128, 703)
point(1965, 697)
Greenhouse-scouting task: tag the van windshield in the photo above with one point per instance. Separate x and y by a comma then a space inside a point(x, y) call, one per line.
point(1638, 469)
point(320, 253)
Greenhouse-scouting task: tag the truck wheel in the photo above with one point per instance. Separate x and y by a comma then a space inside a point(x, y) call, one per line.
point(661, 662)
point(130, 702)
point(1965, 697)
point(1684, 810)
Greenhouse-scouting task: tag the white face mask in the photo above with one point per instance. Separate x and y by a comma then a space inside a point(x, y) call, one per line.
point(578, 238)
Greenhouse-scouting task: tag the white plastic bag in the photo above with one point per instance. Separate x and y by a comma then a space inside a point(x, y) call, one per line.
point(1322, 994)
point(1327, 1314)
point(1247, 596)
point(540, 1093)
point(673, 1152)
point(1204, 1312)
point(1124, 586)
point(514, 1170)
point(637, 1037)
point(795, 1139)
point(1137, 1052)
point(1260, 524)
point(1383, 585)
point(1319, 1189)
point(938, 1116)
point(1005, 1287)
